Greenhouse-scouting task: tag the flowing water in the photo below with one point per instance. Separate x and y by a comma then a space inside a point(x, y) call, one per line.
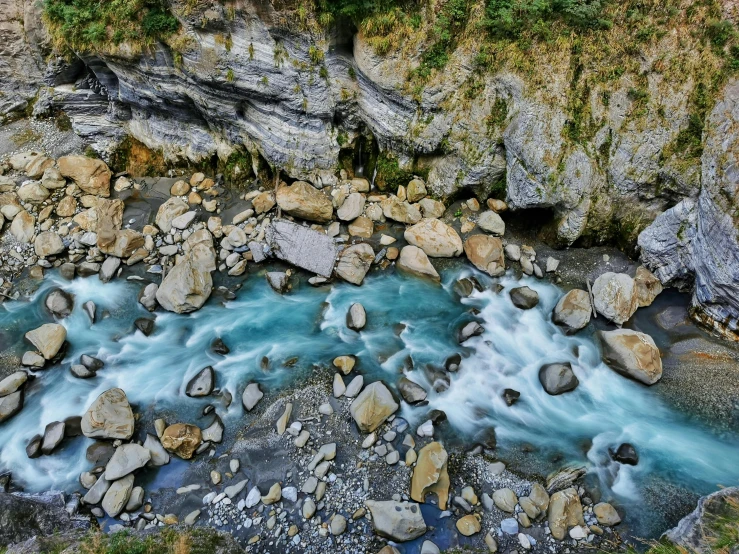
point(411, 323)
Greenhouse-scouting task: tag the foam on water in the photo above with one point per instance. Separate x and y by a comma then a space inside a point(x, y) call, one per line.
point(310, 324)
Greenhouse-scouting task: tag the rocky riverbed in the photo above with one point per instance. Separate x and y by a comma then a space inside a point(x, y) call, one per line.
point(322, 366)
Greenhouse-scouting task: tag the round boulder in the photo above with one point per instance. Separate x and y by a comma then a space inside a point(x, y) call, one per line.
point(524, 298)
point(557, 378)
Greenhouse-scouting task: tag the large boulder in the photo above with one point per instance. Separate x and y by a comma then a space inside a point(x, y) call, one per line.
point(189, 284)
point(402, 212)
point(431, 475)
point(169, 211)
point(59, 303)
point(182, 439)
point(557, 378)
point(120, 243)
point(302, 246)
point(47, 339)
point(48, 243)
point(23, 227)
point(573, 310)
point(354, 262)
point(565, 511)
point(373, 406)
point(486, 254)
point(305, 201)
point(91, 175)
point(524, 298)
point(117, 496)
point(632, 354)
point(492, 223)
point(25, 516)
point(615, 296)
point(109, 417)
point(102, 215)
point(434, 237)
point(648, 286)
point(398, 521)
point(126, 459)
point(414, 260)
point(32, 192)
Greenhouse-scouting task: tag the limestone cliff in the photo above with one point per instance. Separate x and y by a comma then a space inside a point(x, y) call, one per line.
point(590, 128)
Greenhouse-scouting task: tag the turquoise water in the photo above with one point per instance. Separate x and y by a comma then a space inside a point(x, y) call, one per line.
point(309, 323)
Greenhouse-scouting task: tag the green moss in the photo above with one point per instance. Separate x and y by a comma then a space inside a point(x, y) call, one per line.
point(389, 175)
point(238, 167)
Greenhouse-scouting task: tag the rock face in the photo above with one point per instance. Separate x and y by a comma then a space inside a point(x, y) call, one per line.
point(632, 353)
point(182, 439)
point(557, 378)
point(435, 238)
point(695, 531)
point(431, 475)
point(573, 310)
point(414, 260)
point(305, 201)
point(565, 511)
point(615, 296)
point(302, 247)
point(109, 417)
point(189, 284)
point(398, 521)
point(91, 175)
point(373, 406)
point(486, 254)
point(35, 515)
point(48, 339)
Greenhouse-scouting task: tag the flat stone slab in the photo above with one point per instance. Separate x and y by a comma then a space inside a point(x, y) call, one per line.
point(302, 247)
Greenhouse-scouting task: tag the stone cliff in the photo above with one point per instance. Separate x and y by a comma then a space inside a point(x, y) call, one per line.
point(591, 129)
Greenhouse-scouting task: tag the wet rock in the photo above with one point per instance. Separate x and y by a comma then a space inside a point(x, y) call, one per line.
point(109, 417)
point(219, 347)
point(81, 372)
point(486, 254)
point(182, 439)
point(468, 525)
point(573, 310)
point(565, 511)
point(431, 475)
point(373, 406)
point(345, 364)
point(626, 454)
point(202, 384)
point(251, 396)
point(116, 498)
point(492, 223)
point(145, 325)
point(524, 298)
point(557, 378)
point(279, 281)
point(302, 247)
point(356, 318)
point(126, 459)
point(91, 175)
point(214, 432)
point(410, 391)
point(398, 521)
point(33, 359)
point(159, 456)
point(615, 296)
point(606, 514)
point(471, 329)
point(435, 238)
point(511, 396)
point(53, 436)
point(354, 262)
point(148, 296)
point(415, 261)
point(632, 354)
point(48, 243)
point(48, 339)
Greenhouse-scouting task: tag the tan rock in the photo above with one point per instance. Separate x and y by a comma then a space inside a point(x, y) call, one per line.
point(565, 511)
point(431, 475)
point(170, 210)
point(615, 296)
point(648, 286)
point(402, 212)
point(104, 214)
point(189, 284)
point(432, 208)
point(67, 207)
point(273, 495)
point(47, 339)
point(486, 254)
point(32, 192)
point(182, 439)
point(497, 205)
point(179, 188)
point(415, 191)
point(632, 354)
point(373, 406)
point(120, 243)
point(38, 166)
point(305, 201)
point(48, 243)
point(23, 227)
point(414, 260)
point(194, 198)
point(91, 175)
point(393, 253)
point(435, 238)
point(362, 227)
point(606, 514)
point(345, 364)
point(109, 417)
point(468, 525)
point(354, 262)
point(263, 202)
point(573, 310)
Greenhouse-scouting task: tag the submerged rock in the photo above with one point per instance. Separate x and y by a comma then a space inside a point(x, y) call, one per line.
point(109, 417)
point(524, 298)
point(632, 354)
point(410, 391)
point(59, 303)
point(626, 454)
point(398, 521)
point(53, 437)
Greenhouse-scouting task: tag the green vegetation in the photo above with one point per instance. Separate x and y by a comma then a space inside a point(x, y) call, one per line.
point(389, 175)
point(450, 21)
point(89, 24)
point(510, 18)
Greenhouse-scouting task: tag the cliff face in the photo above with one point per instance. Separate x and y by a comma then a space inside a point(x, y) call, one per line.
point(562, 129)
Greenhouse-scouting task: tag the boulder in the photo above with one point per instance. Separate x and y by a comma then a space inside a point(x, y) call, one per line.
point(28, 517)
point(345, 364)
point(468, 525)
point(109, 417)
point(10, 405)
point(411, 392)
point(159, 456)
point(354, 262)
point(431, 475)
point(302, 247)
point(626, 454)
point(615, 296)
point(120, 243)
point(573, 310)
point(435, 238)
point(565, 511)
point(373, 406)
point(47, 339)
point(632, 354)
point(102, 215)
point(189, 284)
point(251, 396)
point(402, 212)
point(606, 514)
point(648, 286)
point(305, 201)
point(59, 303)
point(524, 298)
point(492, 223)
point(416, 190)
point(23, 227)
point(32, 192)
point(697, 532)
point(182, 439)
point(53, 437)
point(263, 202)
point(48, 243)
point(126, 459)
point(505, 499)
point(202, 384)
point(279, 281)
point(486, 254)
point(91, 175)
point(557, 378)
point(414, 260)
point(362, 227)
point(108, 269)
point(12, 383)
point(398, 521)
point(432, 208)
point(351, 208)
point(356, 317)
point(117, 496)
point(169, 211)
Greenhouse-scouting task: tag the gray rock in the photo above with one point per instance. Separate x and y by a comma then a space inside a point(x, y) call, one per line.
point(53, 436)
point(471, 329)
point(353, 388)
point(202, 384)
point(148, 296)
point(109, 417)
point(251, 396)
point(126, 459)
point(136, 500)
point(573, 311)
point(302, 247)
point(25, 516)
point(615, 296)
point(352, 207)
point(159, 456)
point(109, 268)
point(691, 532)
point(356, 318)
point(97, 491)
point(233, 490)
point(492, 223)
point(81, 372)
point(10, 405)
point(116, 498)
point(354, 262)
point(59, 303)
point(33, 359)
point(89, 308)
point(279, 281)
point(557, 378)
point(337, 524)
point(524, 298)
point(398, 521)
point(214, 432)
point(13, 382)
